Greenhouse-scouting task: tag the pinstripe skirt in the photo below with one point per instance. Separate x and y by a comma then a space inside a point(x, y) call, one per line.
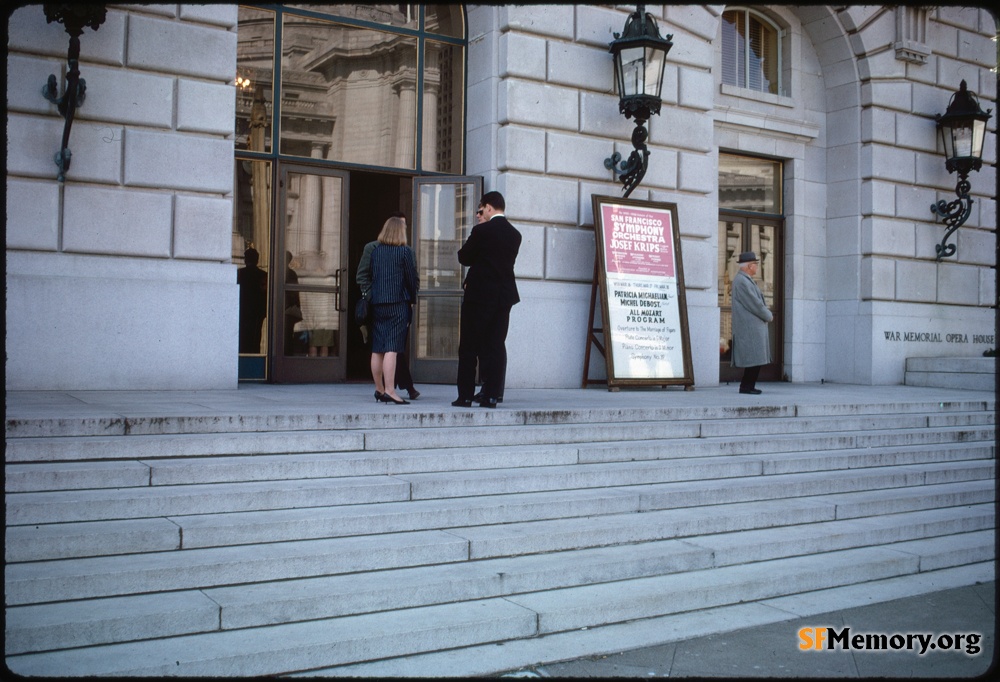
point(390, 322)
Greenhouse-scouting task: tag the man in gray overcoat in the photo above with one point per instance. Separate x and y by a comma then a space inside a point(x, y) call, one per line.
point(751, 348)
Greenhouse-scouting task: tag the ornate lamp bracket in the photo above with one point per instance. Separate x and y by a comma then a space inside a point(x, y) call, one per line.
point(954, 213)
point(75, 17)
point(633, 170)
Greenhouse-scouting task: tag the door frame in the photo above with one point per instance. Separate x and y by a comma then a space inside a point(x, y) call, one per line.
point(304, 369)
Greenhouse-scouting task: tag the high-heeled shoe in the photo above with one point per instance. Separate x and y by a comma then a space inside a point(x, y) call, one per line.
point(378, 396)
point(386, 398)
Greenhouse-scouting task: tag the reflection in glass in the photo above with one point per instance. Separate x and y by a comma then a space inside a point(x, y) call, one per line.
point(252, 230)
point(730, 244)
point(437, 327)
point(403, 16)
point(749, 184)
point(445, 20)
point(730, 238)
point(447, 213)
point(254, 79)
point(313, 241)
point(318, 330)
point(348, 93)
point(762, 243)
point(443, 129)
point(295, 343)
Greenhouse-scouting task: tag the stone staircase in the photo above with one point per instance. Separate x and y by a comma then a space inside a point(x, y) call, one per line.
point(387, 543)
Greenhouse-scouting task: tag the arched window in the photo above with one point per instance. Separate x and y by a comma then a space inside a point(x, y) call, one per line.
point(752, 52)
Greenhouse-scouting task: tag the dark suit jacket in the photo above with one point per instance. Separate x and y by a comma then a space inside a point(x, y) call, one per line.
point(489, 253)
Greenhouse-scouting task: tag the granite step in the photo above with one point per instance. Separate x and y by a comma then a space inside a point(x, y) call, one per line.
point(271, 418)
point(151, 447)
point(117, 619)
point(49, 476)
point(84, 578)
point(592, 605)
point(490, 660)
point(160, 501)
point(319, 644)
point(885, 489)
point(180, 500)
point(87, 578)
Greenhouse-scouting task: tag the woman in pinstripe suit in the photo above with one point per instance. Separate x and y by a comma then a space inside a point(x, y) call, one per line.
point(394, 290)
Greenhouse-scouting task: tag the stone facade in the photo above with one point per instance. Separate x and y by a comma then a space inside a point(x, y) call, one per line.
point(121, 277)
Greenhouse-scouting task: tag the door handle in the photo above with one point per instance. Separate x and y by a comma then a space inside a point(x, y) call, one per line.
point(338, 283)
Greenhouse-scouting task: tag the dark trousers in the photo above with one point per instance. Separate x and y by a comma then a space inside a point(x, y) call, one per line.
point(750, 375)
point(502, 379)
point(404, 379)
point(482, 342)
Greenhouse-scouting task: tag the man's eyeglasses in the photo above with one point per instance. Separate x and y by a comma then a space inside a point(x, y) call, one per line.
point(479, 212)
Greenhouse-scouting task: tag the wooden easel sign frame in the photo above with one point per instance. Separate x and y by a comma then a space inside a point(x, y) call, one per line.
point(640, 276)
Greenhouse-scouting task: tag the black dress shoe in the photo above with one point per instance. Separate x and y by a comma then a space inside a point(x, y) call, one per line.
point(488, 402)
point(462, 403)
point(478, 398)
point(414, 393)
point(751, 391)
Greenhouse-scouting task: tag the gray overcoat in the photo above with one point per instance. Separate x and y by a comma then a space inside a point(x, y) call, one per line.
point(750, 318)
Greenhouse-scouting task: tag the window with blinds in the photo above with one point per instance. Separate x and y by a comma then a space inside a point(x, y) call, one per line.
point(751, 54)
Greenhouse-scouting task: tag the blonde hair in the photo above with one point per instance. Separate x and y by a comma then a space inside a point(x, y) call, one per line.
point(393, 232)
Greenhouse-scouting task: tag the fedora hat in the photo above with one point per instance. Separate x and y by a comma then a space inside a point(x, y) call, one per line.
point(747, 257)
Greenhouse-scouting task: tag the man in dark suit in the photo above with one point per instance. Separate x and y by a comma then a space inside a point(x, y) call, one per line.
point(490, 293)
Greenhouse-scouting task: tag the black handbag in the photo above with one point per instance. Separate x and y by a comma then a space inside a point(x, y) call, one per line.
point(362, 310)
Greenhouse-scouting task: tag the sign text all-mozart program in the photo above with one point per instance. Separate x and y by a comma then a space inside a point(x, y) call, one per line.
point(645, 323)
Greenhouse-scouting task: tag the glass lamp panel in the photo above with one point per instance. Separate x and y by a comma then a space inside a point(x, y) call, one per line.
point(978, 137)
point(633, 71)
point(961, 133)
point(654, 71)
point(947, 142)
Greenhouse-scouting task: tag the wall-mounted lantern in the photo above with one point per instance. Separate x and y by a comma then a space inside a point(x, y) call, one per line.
point(75, 17)
point(640, 59)
point(963, 131)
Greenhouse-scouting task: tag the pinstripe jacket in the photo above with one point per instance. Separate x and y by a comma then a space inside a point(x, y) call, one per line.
point(394, 275)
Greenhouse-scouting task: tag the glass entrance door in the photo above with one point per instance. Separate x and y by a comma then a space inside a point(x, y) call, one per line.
point(736, 235)
point(444, 213)
point(311, 279)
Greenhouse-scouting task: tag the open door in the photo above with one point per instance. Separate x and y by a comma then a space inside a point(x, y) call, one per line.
point(310, 275)
point(444, 210)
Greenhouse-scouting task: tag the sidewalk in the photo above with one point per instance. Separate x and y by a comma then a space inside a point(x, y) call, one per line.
point(773, 650)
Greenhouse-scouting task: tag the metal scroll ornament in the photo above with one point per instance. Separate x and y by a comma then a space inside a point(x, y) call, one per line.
point(75, 17)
